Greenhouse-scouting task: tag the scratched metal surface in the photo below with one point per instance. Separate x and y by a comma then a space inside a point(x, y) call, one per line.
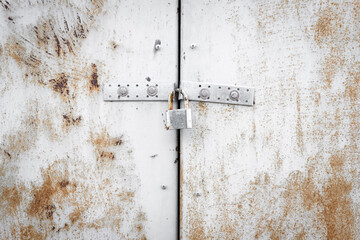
point(287, 168)
point(71, 165)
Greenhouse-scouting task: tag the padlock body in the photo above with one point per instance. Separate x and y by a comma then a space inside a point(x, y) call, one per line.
point(178, 119)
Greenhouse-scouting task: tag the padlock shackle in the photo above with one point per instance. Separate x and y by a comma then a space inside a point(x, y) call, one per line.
point(186, 98)
point(171, 99)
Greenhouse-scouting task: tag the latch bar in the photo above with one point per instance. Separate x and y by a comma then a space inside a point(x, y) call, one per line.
point(217, 93)
point(137, 91)
point(197, 91)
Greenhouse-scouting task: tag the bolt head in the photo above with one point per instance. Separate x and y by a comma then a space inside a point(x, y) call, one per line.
point(157, 47)
point(122, 91)
point(204, 93)
point(234, 95)
point(152, 90)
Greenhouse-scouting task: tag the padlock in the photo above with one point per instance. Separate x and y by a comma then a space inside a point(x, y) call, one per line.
point(179, 118)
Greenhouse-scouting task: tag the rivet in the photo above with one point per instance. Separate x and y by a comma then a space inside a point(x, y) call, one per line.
point(197, 194)
point(163, 187)
point(157, 45)
point(193, 45)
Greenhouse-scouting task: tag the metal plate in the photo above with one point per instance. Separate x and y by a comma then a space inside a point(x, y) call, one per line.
point(218, 93)
point(137, 91)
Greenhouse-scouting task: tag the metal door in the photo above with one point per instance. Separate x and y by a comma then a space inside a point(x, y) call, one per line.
point(287, 168)
point(71, 165)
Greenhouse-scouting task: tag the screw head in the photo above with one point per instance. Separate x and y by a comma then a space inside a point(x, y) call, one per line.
point(193, 45)
point(197, 194)
point(163, 187)
point(234, 95)
point(122, 91)
point(152, 90)
point(204, 93)
point(157, 47)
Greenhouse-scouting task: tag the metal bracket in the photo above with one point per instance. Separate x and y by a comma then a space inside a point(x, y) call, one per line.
point(204, 92)
point(218, 93)
point(137, 91)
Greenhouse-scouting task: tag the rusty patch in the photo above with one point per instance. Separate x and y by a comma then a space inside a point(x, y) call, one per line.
point(42, 200)
point(16, 50)
point(299, 130)
point(30, 232)
point(19, 142)
point(102, 143)
point(352, 85)
point(197, 229)
point(12, 197)
point(328, 24)
point(64, 183)
point(103, 139)
point(114, 45)
point(54, 40)
point(55, 184)
point(202, 108)
point(94, 84)
point(75, 216)
point(69, 120)
point(60, 85)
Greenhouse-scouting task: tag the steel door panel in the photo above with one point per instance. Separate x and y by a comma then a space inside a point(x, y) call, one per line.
point(287, 168)
point(71, 165)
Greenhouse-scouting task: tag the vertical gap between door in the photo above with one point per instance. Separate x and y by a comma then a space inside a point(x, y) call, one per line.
point(178, 131)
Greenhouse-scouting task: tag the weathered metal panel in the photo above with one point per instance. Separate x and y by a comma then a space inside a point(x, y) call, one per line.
point(71, 165)
point(287, 168)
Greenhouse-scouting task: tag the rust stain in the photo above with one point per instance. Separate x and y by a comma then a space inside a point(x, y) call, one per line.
point(328, 25)
point(19, 142)
point(352, 85)
point(60, 85)
point(11, 198)
point(126, 196)
point(103, 143)
point(55, 187)
point(94, 84)
point(16, 49)
point(333, 64)
point(332, 199)
point(69, 120)
point(60, 38)
point(113, 45)
point(76, 215)
point(42, 200)
point(197, 229)
point(299, 129)
point(202, 108)
point(29, 233)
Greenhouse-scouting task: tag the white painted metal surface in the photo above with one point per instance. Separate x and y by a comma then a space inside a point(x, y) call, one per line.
point(71, 165)
point(287, 168)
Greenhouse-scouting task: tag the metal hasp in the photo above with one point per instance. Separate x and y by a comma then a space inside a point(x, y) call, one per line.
point(216, 93)
point(137, 91)
point(204, 92)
